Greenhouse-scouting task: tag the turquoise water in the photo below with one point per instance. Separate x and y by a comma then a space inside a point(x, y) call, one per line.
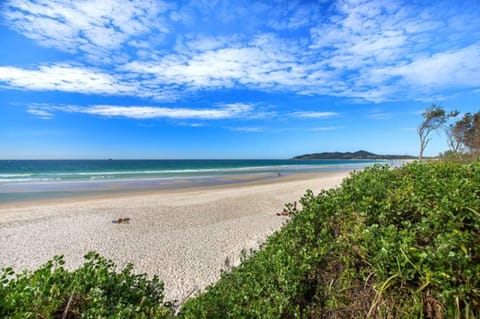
point(32, 179)
point(90, 170)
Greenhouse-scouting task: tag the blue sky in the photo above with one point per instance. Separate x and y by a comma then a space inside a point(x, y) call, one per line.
point(230, 79)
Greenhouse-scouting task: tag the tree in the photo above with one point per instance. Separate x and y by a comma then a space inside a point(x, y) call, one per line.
point(466, 132)
point(435, 117)
point(455, 145)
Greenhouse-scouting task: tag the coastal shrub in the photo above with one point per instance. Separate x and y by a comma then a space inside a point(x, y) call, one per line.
point(389, 243)
point(95, 290)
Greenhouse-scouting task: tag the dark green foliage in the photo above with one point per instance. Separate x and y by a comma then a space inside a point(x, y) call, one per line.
point(93, 291)
point(390, 243)
point(466, 132)
point(349, 155)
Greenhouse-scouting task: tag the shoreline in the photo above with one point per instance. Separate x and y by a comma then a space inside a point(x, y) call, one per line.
point(185, 236)
point(45, 182)
point(119, 188)
point(175, 186)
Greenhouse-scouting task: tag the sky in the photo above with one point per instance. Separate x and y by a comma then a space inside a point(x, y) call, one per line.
point(230, 79)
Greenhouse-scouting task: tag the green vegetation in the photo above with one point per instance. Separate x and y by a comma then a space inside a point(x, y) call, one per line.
point(399, 243)
point(463, 138)
point(93, 291)
point(389, 243)
point(349, 155)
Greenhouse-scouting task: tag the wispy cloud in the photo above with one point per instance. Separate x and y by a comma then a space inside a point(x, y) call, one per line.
point(248, 129)
point(378, 114)
point(264, 62)
point(390, 50)
point(146, 112)
point(451, 69)
point(196, 125)
point(314, 115)
point(293, 15)
point(325, 128)
point(91, 27)
point(43, 114)
point(369, 50)
point(64, 77)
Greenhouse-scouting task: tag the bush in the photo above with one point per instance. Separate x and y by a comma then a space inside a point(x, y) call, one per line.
point(93, 291)
point(389, 243)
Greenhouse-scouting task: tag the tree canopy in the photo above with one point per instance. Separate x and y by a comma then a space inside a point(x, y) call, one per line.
point(434, 117)
point(466, 132)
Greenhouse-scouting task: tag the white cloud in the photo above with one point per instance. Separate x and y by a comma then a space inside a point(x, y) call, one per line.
point(325, 128)
point(457, 68)
point(203, 43)
point(94, 27)
point(346, 57)
point(266, 62)
point(66, 78)
point(146, 112)
point(314, 115)
point(248, 129)
point(43, 114)
point(378, 114)
point(228, 111)
point(380, 51)
point(371, 50)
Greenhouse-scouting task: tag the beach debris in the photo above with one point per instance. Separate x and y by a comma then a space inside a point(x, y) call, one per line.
point(176, 304)
point(228, 263)
point(121, 220)
point(65, 312)
point(284, 212)
point(290, 209)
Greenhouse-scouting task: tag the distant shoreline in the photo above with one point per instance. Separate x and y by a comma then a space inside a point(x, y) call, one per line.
point(359, 155)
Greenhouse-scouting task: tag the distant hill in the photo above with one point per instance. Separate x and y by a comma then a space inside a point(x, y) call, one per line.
point(350, 155)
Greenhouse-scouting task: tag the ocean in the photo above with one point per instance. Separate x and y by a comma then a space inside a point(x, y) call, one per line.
point(39, 179)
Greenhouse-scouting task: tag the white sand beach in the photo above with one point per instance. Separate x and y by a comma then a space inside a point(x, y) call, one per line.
point(184, 236)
